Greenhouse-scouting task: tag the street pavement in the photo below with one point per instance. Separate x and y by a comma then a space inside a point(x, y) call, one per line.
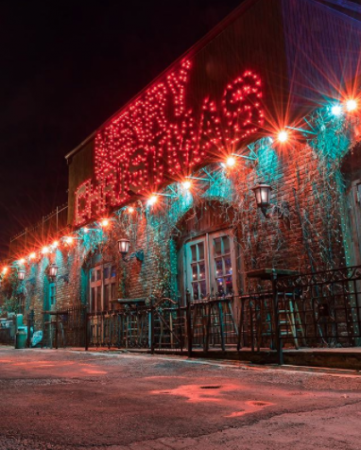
point(64, 399)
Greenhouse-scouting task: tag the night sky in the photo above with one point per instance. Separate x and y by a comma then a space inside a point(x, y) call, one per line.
point(66, 67)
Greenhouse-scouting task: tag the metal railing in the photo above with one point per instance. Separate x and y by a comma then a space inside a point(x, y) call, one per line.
point(65, 328)
point(321, 309)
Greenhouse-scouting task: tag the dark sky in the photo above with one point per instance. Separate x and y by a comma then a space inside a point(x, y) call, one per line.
point(66, 66)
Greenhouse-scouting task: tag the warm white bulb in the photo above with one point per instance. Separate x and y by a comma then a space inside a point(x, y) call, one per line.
point(351, 105)
point(187, 185)
point(283, 136)
point(152, 200)
point(230, 161)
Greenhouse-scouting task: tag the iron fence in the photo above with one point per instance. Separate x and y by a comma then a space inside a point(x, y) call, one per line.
point(65, 328)
point(159, 325)
point(320, 309)
point(165, 325)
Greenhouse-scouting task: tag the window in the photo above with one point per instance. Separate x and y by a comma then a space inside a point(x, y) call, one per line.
point(209, 266)
point(52, 294)
point(103, 287)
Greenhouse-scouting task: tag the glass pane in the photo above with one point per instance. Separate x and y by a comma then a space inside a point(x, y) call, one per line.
point(92, 299)
point(226, 244)
point(229, 285)
point(194, 252)
point(203, 289)
point(113, 291)
point(98, 274)
point(93, 275)
point(220, 286)
point(228, 265)
point(105, 273)
point(219, 266)
point(106, 297)
point(194, 272)
point(217, 246)
point(99, 299)
point(202, 271)
point(195, 291)
point(113, 272)
point(201, 251)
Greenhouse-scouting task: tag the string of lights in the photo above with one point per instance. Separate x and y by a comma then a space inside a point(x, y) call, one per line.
point(128, 157)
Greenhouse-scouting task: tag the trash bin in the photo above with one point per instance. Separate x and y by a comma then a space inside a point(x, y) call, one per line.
point(20, 339)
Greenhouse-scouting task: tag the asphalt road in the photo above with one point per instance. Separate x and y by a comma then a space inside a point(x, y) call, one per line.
point(62, 399)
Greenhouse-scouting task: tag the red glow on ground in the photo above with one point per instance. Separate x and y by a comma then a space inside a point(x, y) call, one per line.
point(217, 393)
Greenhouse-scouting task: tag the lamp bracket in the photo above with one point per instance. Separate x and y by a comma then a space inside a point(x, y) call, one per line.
point(282, 211)
point(139, 254)
point(65, 278)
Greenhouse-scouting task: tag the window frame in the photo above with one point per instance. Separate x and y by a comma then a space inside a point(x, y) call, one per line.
point(100, 287)
point(210, 261)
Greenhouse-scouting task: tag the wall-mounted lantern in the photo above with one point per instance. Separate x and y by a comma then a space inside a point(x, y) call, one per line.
point(53, 271)
point(123, 248)
point(21, 274)
point(262, 193)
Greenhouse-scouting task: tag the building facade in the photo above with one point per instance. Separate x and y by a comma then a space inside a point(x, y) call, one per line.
point(269, 98)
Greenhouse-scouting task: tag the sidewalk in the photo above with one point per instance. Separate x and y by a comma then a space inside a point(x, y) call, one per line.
point(340, 358)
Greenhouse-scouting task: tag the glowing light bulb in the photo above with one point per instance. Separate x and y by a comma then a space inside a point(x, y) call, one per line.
point(55, 244)
point(22, 261)
point(351, 105)
point(5, 270)
point(85, 229)
point(69, 240)
point(45, 250)
point(336, 110)
point(230, 162)
point(32, 255)
point(104, 223)
point(130, 210)
point(152, 200)
point(282, 136)
point(186, 185)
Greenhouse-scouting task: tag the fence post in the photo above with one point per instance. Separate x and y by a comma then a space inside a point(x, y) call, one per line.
point(151, 326)
point(86, 328)
point(189, 323)
point(180, 324)
point(30, 325)
point(277, 321)
point(56, 331)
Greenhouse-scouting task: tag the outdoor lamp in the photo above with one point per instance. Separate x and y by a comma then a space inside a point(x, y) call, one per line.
point(123, 248)
point(21, 274)
point(53, 270)
point(262, 193)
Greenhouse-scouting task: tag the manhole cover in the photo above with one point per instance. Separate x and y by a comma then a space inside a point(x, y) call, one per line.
point(210, 387)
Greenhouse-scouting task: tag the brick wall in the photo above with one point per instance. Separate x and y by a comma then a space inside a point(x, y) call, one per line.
point(302, 233)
